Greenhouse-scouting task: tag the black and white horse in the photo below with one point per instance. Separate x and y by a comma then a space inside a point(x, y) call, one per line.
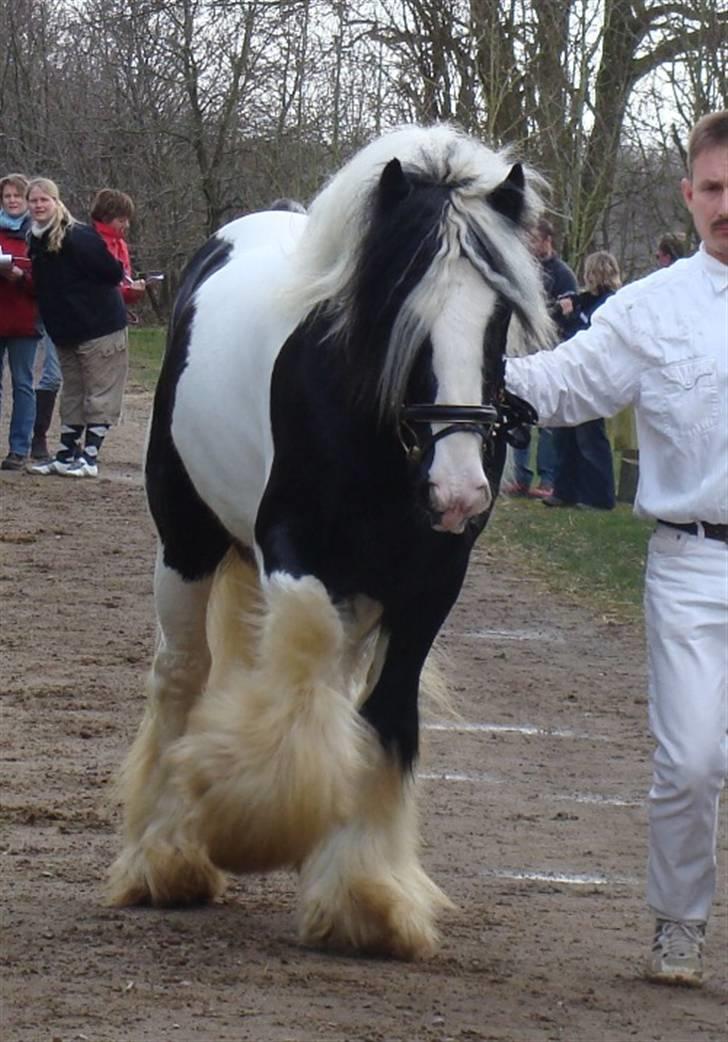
point(327, 440)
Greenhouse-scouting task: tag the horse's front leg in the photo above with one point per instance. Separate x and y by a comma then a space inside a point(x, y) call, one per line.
point(363, 887)
point(158, 864)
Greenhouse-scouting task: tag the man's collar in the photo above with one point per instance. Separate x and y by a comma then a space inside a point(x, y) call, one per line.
point(716, 271)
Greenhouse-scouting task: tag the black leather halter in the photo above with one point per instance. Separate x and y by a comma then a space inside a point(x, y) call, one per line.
point(484, 420)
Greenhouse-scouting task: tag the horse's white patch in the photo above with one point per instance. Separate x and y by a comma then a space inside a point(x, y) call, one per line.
point(459, 489)
point(221, 422)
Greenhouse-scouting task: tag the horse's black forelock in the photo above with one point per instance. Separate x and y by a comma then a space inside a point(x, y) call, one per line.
point(393, 256)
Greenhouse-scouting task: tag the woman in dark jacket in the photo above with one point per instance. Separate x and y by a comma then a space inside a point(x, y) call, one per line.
point(584, 471)
point(77, 287)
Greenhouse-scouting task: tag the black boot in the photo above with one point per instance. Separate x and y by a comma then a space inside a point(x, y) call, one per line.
point(45, 402)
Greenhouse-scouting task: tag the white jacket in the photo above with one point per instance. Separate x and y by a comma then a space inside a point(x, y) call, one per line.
point(660, 345)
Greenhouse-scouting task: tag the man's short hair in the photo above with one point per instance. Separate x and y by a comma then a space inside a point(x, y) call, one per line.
point(709, 131)
point(109, 203)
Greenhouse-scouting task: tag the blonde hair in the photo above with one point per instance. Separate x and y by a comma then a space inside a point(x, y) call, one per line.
point(601, 271)
point(61, 220)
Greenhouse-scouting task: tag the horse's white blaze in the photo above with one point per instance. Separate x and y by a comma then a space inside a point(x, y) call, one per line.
point(458, 486)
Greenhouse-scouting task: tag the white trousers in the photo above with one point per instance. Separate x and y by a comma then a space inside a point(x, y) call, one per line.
point(686, 613)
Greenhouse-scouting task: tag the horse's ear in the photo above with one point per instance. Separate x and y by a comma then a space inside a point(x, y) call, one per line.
point(393, 184)
point(508, 198)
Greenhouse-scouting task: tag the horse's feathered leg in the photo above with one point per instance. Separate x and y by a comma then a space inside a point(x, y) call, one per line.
point(156, 864)
point(364, 887)
point(272, 758)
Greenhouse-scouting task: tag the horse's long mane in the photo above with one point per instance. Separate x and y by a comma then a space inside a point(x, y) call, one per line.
point(329, 255)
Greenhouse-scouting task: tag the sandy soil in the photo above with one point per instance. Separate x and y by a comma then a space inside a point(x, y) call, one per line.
point(532, 807)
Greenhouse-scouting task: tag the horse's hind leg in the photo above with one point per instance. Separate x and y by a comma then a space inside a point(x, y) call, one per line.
point(158, 864)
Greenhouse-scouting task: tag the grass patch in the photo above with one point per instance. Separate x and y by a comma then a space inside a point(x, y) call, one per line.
point(596, 557)
point(146, 348)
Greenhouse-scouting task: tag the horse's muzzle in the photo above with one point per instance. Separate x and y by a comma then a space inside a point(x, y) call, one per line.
point(454, 516)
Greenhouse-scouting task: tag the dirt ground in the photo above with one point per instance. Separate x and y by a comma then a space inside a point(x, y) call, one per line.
point(532, 807)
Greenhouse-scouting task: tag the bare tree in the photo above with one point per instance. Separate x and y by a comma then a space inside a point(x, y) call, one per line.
point(553, 76)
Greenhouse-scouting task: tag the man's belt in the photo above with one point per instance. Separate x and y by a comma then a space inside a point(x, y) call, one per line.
point(719, 532)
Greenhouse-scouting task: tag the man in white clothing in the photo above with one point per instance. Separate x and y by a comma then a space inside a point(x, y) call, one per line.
point(661, 345)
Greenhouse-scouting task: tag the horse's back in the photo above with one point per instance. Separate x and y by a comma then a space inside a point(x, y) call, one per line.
point(240, 320)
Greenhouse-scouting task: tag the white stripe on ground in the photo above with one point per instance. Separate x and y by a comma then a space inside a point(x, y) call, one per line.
point(573, 879)
point(597, 797)
point(541, 635)
point(481, 777)
point(527, 729)
point(460, 776)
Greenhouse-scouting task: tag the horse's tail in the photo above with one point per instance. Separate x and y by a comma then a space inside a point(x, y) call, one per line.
point(275, 748)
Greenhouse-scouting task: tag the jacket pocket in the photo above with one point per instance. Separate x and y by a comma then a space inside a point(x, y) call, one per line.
point(682, 397)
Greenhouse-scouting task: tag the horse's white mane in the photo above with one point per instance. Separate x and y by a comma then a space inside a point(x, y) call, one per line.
point(327, 255)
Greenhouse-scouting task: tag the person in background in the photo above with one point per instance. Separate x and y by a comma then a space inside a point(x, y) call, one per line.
point(19, 330)
point(670, 248)
point(46, 392)
point(112, 212)
point(661, 345)
point(558, 279)
point(584, 470)
point(291, 205)
point(77, 285)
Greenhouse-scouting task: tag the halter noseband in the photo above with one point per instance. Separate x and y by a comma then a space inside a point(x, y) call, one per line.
point(484, 420)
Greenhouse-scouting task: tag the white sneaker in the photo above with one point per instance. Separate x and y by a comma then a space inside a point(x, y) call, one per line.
point(81, 468)
point(677, 953)
point(52, 466)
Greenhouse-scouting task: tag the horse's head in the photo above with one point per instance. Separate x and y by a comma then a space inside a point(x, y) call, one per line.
point(463, 271)
point(423, 261)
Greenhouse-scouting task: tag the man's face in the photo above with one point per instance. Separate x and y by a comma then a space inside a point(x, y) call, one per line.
point(706, 196)
point(541, 246)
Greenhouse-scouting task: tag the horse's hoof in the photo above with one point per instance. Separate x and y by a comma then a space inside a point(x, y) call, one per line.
point(126, 884)
point(163, 875)
point(375, 917)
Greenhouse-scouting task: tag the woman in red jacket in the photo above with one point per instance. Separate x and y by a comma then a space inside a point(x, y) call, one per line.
point(111, 213)
point(19, 329)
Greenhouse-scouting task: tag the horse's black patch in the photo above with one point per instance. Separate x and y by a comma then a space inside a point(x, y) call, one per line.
point(343, 504)
point(193, 539)
point(342, 501)
point(395, 254)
